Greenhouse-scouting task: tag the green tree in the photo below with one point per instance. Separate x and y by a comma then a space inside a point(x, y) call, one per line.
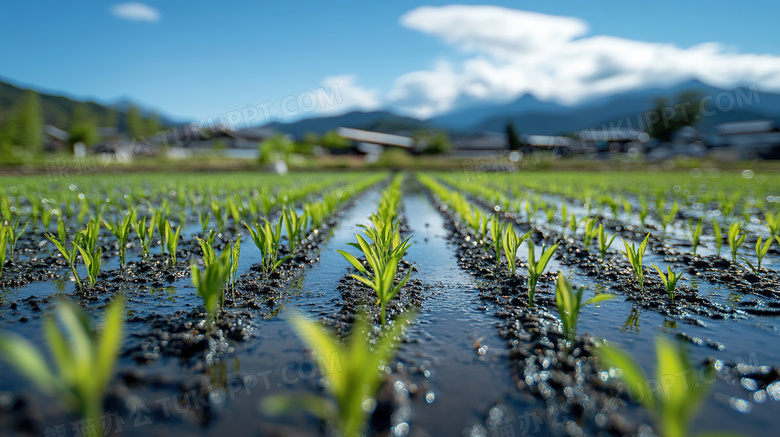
point(333, 141)
point(29, 123)
point(436, 143)
point(153, 124)
point(276, 148)
point(667, 118)
point(135, 122)
point(82, 128)
point(111, 118)
point(511, 137)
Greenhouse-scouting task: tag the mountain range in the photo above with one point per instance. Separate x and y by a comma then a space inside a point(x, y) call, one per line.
point(58, 110)
point(533, 116)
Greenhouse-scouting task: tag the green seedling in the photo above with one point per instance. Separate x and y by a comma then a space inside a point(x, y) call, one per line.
point(536, 268)
point(353, 371)
point(85, 362)
point(210, 284)
point(718, 234)
point(549, 212)
point(573, 224)
point(204, 218)
point(207, 247)
point(604, 242)
point(171, 240)
point(669, 279)
point(145, 235)
point(380, 275)
point(121, 231)
point(93, 259)
point(267, 238)
point(564, 216)
point(644, 210)
point(683, 388)
point(773, 223)
point(761, 250)
point(295, 225)
point(695, 234)
point(591, 232)
point(3, 247)
point(735, 239)
point(13, 233)
point(235, 252)
point(497, 229)
point(669, 217)
point(68, 254)
point(511, 242)
point(570, 303)
point(635, 256)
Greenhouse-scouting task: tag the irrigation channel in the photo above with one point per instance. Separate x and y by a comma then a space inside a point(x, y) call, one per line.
point(475, 361)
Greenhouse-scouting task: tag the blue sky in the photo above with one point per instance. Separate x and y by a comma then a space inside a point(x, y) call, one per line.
point(197, 59)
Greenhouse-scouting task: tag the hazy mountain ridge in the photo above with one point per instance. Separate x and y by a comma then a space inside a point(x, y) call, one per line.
point(533, 116)
point(58, 110)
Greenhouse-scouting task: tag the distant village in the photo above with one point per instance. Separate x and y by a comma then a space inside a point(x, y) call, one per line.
point(730, 141)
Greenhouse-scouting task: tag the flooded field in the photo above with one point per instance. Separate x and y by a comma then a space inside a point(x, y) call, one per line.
point(455, 283)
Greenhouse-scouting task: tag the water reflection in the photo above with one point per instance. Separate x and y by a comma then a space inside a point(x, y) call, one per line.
point(632, 322)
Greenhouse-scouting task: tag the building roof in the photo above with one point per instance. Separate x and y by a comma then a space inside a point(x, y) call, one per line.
point(611, 135)
point(365, 136)
point(252, 134)
point(546, 141)
point(56, 132)
point(746, 127)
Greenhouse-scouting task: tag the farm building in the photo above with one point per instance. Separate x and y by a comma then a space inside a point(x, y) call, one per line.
point(750, 139)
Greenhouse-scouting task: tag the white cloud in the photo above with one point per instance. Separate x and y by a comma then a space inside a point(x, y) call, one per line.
point(511, 52)
point(340, 94)
point(136, 11)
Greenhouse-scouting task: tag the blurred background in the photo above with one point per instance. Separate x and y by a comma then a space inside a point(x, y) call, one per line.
point(109, 86)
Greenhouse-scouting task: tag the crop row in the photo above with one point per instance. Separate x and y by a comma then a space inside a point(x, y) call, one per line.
point(732, 234)
point(674, 407)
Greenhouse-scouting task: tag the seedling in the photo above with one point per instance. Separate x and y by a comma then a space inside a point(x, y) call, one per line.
point(536, 268)
point(497, 229)
point(635, 256)
point(171, 240)
point(591, 232)
point(675, 403)
point(145, 235)
point(85, 361)
point(93, 259)
point(207, 247)
point(267, 238)
point(570, 303)
point(210, 285)
point(13, 233)
point(718, 234)
point(68, 254)
point(383, 268)
point(604, 242)
point(773, 223)
point(204, 218)
point(669, 279)
point(235, 252)
point(353, 371)
point(761, 251)
point(695, 234)
point(644, 210)
point(511, 242)
point(573, 224)
point(121, 231)
point(295, 226)
point(735, 239)
point(669, 217)
point(3, 247)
